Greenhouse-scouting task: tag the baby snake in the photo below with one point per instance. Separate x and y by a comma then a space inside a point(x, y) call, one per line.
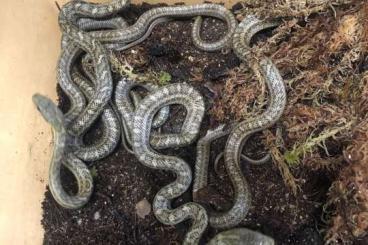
point(110, 126)
point(241, 236)
point(79, 14)
point(80, 118)
point(61, 155)
point(139, 28)
point(240, 132)
point(187, 96)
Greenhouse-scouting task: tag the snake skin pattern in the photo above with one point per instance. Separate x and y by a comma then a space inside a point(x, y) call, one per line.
point(245, 129)
point(110, 127)
point(241, 236)
point(55, 118)
point(70, 52)
point(240, 132)
point(126, 107)
point(137, 30)
point(223, 43)
point(187, 96)
point(75, 96)
point(89, 24)
point(103, 90)
point(93, 153)
point(81, 24)
point(68, 21)
point(120, 47)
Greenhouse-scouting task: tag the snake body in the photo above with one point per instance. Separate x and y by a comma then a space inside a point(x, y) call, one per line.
point(120, 47)
point(55, 118)
point(110, 127)
point(139, 28)
point(241, 236)
point(187, 96)
point(243, 130)
point(240, 132)
point(237, 139)
point(68, 17)
point(73, 11)
point(75, 96)
point(89, 24)
point(81, 23)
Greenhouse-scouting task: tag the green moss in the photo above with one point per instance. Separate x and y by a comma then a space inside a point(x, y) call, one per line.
point(294, 156)
point(164, 78)
point(93, 172)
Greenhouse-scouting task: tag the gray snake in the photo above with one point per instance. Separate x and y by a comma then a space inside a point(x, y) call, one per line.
point(240, 132)
point(61, 155)
point(79, 14)
point(188, 97)
point(75, 21)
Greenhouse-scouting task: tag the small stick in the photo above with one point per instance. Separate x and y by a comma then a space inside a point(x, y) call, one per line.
point(58, 6)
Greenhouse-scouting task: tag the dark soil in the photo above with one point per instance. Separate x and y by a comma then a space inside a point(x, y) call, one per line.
point(121, 181)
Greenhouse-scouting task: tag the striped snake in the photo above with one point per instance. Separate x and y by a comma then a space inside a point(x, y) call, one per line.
point(241, 236)
point(61, 155)
point(80, 24)
point(110, 126)
point(240, 132)
point(139, 28)
point(185, 95)
point(79, 14)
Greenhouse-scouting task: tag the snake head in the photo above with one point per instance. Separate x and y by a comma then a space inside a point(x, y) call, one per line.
point(240, 236)
point(49, 111)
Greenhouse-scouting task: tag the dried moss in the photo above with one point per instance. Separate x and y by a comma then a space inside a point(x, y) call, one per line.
point(321, 50)
point(124, 68)
point(350, 193)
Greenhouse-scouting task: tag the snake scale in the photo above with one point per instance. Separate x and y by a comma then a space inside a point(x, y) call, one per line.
point(90, 28)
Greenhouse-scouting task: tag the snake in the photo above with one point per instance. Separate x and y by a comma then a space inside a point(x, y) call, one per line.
point(241, 236)
point(240, 132)
point(127, 102)
point(203, 157)
point(61, 155)
point(74, 10)
point(76, 88)
point(90, 24)
point(127, 112)
point(83, 40)
point(110, 126)
point(70, 52)
point(139, 28)
point(119, 47)
point(185, 95)
point(82, 117)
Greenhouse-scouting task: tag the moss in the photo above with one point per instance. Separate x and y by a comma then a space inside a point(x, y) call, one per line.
point(122, 67)
point(323, 60)
point(292, 157)
point(164, 78)
point(93, 172)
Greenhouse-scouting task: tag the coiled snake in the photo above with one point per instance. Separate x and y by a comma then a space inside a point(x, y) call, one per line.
point(81, 30)
point(185, 95)
point(243, 130)
point(61, 155)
